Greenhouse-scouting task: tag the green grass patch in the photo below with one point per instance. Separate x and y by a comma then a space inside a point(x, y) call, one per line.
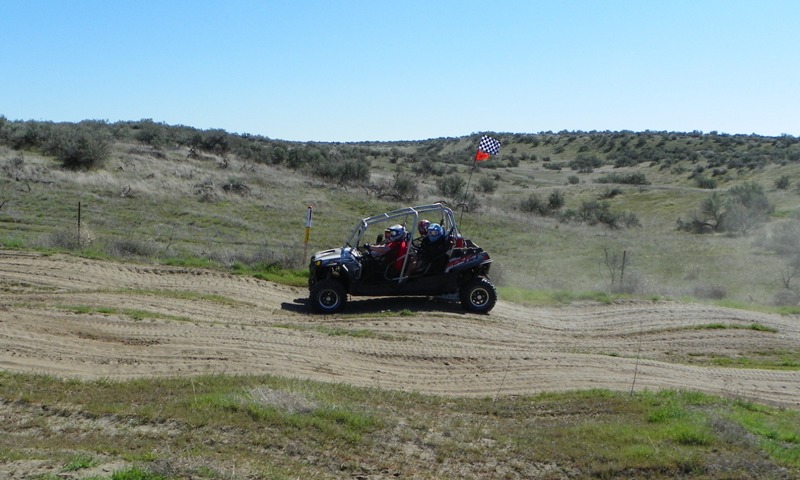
point(133, 313)
point(559, 297)
point(778, 432)
point(274, 273)
point(342, 332)
point(187, 295)
point(740, 305)
point(769, 361)
point(191, 262)
point(137, 473)
point(723, 326)
point(329, 430)
point(80, 462)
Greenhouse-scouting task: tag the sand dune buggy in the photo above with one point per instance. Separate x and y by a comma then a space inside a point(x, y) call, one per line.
point(460, 271)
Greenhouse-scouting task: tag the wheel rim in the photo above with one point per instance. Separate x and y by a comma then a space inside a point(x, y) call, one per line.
point(328, 298)
point(479, 297)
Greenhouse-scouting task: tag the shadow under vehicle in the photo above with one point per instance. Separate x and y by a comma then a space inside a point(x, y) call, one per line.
point(461, 269)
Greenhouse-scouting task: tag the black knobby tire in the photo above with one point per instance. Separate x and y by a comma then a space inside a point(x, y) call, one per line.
point(478, 295)
point(327, 296)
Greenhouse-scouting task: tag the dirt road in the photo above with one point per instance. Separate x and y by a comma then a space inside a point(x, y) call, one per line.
point(90, 319)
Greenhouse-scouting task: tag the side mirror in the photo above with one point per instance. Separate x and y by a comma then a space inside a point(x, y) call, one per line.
point(379, 239)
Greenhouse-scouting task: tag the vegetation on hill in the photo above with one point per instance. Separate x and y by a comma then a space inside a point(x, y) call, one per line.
point(554, 208)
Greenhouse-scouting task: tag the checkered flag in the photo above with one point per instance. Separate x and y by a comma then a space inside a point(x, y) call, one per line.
point(488, 146)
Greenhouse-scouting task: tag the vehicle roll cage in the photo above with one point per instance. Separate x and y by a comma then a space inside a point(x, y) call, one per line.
point(408, 217)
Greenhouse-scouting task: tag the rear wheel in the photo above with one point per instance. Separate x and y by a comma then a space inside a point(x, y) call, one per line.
point(478, 295)
point(327, 296)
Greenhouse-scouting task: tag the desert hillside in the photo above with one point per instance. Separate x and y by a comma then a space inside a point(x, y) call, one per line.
point(675, 215)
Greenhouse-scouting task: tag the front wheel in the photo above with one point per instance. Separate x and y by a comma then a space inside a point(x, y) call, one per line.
point(478, 295)
point(327, 296)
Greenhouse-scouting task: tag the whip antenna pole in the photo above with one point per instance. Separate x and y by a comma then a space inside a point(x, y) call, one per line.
point(487, 147)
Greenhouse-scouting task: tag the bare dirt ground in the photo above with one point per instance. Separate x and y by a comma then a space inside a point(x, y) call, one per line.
point(90, 319)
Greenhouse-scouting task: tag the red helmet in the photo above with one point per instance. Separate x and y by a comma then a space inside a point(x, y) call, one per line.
point(422, 226)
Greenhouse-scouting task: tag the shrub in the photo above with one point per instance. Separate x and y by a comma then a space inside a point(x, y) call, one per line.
point(151, 133)
point(405, 187)
point(785, 238)
point(630, 220)
point(786, 297)
point(534, 204)
point(127, 247)
point(739, 211)
point(585, 163)
point(636, 178)
point(78, 147)
point(428, 167)
point(752, 196)
point(451, 186)
point(235, 185)
point(740, 219)
point(711, 292)
point(783, 182)
point(704, 182)
point(342, 172)
point(553, 166)
point(68, 239)
point(573, 180)
point(596, 212)
point(610, 193)
point(486, 185)
point(556, 200)
point(747, 206)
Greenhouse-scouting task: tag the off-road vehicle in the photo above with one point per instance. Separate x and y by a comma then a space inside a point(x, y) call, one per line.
point(459, 272)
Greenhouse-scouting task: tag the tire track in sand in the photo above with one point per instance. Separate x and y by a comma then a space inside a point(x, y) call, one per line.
point(91, 319)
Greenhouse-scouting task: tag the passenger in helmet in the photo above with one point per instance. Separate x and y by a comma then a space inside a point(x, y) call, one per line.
point(435, 232)
point(422, 227)
point(432, 252)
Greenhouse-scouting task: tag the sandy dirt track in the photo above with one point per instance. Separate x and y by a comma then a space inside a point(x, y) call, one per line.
point(90, 319)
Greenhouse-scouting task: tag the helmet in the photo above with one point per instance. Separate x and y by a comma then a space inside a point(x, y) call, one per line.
point(422, 226)
point(435, 232)
point(395, 232)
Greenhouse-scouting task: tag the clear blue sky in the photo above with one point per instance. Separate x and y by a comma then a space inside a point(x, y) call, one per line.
point(405, 70)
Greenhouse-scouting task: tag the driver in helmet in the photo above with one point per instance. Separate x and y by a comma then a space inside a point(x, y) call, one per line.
point(394, 248)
